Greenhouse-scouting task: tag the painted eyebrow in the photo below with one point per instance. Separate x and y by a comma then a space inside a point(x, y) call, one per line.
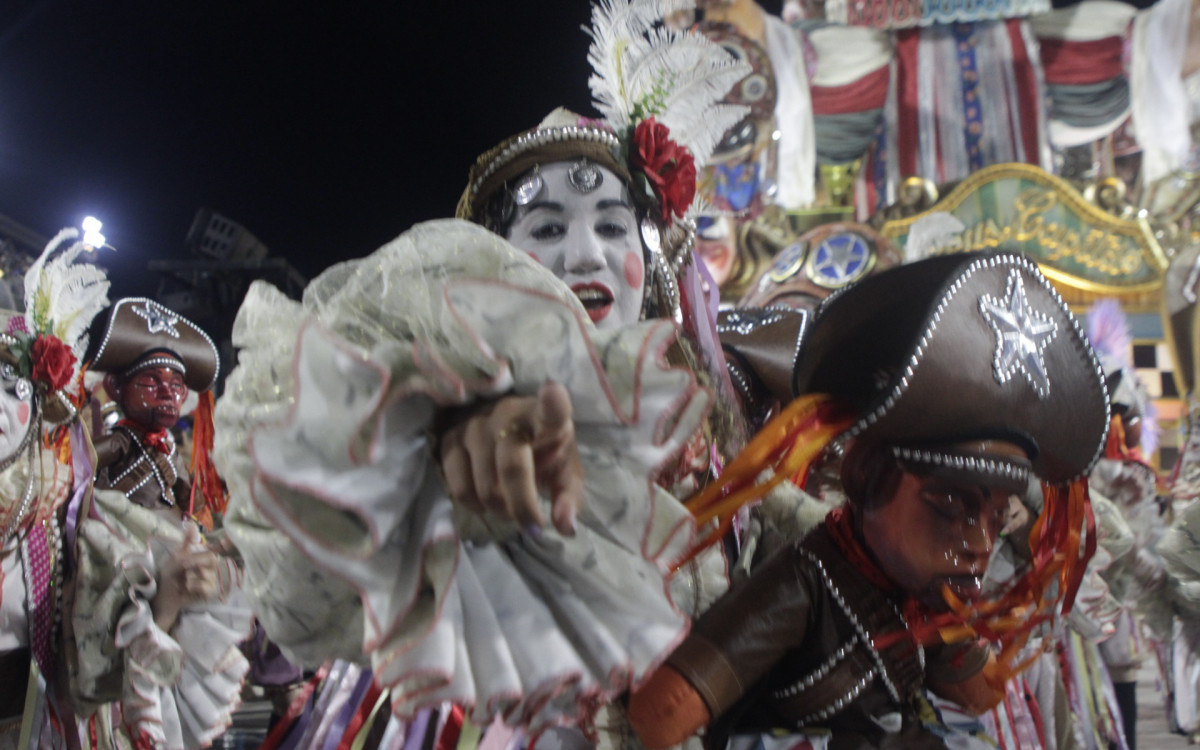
point(547, 205)
point(608, 203)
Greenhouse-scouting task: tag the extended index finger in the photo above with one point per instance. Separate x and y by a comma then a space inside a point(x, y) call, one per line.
point(556, 454)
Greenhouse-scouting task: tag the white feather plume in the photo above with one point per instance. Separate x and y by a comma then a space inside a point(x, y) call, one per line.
point(62, 296)
point(642, 69)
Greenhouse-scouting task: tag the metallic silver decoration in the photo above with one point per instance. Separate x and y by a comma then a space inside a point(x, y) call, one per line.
point(863, 636)
point(584, 176)
point(528, 189)
point(158, 320)
point(24, 389)
point(998, 467)
point(539, 138)
point(1022, 334)
point(8, 372)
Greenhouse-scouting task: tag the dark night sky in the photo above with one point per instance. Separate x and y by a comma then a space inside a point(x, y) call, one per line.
point(325, 132)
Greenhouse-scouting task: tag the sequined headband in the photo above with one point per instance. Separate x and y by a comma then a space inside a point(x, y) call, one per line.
point(517, 155)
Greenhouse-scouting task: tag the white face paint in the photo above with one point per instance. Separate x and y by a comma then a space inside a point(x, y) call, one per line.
point(16, 410)
point(589, 240)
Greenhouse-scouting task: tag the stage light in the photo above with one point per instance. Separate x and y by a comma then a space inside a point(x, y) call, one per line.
point(91, 232)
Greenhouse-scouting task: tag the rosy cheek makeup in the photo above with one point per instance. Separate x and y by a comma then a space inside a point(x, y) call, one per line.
point(23, 413)
point(635, 270)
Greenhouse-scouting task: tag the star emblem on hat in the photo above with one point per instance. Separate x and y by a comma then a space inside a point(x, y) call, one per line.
point(1022, 335)
point(840, 259)
point(158, 321)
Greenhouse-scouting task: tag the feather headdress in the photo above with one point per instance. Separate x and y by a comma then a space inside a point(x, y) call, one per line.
point(660, 92)
point(645, 76)
point(62, 296)
point(40, 350)
point(643, 69)
point(49, 339)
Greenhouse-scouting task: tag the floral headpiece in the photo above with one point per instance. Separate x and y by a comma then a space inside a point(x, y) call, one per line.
point(40, 349)
point(49, 339)
point(660, 92)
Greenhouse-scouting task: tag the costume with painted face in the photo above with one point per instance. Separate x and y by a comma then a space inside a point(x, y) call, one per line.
point(475, 328)
point(579, 222)
point(942, 417)
point(152, 397)
point(152, 358)
point(144, 570)
point(937, 531)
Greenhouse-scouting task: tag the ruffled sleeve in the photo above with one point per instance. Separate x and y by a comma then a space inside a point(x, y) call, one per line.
point(537, 628)
point(178, 689)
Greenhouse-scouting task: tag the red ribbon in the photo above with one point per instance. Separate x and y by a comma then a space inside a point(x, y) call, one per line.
point(159, 440)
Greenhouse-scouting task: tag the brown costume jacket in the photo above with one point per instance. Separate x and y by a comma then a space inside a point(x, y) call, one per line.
point(789, 648)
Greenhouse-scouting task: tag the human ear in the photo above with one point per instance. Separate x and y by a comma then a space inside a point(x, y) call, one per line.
point(112, 387)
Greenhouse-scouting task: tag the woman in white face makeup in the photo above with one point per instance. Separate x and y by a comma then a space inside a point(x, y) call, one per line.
point(583, 228)
point(451, 391)
point(605, 212)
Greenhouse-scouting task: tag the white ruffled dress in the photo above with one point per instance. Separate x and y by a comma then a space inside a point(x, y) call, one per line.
point(171, 690)
point(350, 542)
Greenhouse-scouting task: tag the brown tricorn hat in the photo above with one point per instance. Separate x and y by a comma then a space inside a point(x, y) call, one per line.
point(140, 329)
point(958, 348)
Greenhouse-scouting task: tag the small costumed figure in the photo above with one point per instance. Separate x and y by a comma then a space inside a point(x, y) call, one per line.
point(152, 358)
point(43, 454)
point(158, 612)
point(947, 384)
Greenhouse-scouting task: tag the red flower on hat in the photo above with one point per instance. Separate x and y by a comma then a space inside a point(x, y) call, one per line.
point(53, 362)
point(669, 168)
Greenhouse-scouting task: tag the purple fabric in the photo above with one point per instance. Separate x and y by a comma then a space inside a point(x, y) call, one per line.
point(268, 666)
point(417, 730)
point(81, 466)
point(300, 727)
point(347, 712)
point(702, 320)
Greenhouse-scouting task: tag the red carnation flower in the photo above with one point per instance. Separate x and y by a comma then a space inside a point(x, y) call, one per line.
point(669, 167)
point(53, 362)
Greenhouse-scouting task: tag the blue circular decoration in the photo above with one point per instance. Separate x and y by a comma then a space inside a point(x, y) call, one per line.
point(787, 263)
point(840, 259)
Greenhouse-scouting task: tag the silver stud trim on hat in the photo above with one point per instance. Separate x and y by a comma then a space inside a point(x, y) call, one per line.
point(149, 303)
point(992, 466)
point(1005, 259)
point(158, 319)
point(160, 361)
point(745, 323)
